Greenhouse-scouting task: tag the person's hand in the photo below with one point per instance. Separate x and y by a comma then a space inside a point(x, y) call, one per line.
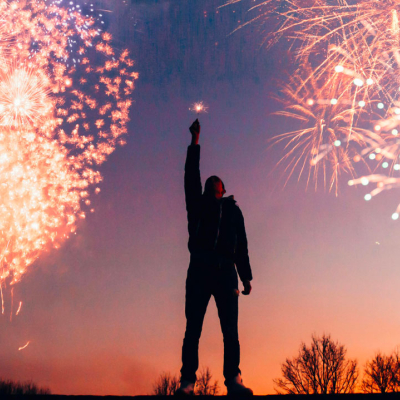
point(247, 287)
point(195, 131)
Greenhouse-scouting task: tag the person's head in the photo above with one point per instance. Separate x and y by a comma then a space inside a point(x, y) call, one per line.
point(214, 187)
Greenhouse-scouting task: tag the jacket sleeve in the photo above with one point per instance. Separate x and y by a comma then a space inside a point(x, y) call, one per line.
point(193, 187)
point(242, 254)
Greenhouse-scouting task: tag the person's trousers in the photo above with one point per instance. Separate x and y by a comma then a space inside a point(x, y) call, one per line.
point(210, 277)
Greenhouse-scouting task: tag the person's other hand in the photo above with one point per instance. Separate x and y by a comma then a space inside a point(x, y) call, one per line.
point(247, 287)
point(195, 131)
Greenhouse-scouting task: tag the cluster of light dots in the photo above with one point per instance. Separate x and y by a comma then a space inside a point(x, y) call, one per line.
point(74, 9)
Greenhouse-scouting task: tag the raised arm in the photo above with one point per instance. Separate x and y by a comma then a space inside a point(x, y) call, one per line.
point(195, 131)
point(193, 187)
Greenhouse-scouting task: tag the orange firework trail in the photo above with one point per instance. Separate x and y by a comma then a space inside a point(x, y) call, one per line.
point(2, 300)
point(19, 308)
point(24, 347)
point(344, 91)
point(62, 113)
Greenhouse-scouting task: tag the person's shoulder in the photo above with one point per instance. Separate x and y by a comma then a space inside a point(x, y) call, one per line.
point(231, 203)
point(229, 200)
point(235, 206)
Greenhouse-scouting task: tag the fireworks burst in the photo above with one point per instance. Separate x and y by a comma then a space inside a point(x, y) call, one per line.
point(24, 99)
point(344, 92)
point(322, 136)
point(57, 125)
point(78, 9)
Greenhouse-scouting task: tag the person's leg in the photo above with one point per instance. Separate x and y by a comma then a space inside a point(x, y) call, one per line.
point(226, 298)
point(198, 294)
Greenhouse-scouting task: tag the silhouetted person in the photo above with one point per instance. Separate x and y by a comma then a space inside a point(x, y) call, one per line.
point(217, 241)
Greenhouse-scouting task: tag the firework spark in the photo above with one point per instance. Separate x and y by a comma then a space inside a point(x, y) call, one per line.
point(57, 125)
point(198, 107)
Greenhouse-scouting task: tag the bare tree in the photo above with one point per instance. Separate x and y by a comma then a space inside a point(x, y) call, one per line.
point(203, 384)
point(166, 385)
point(319, 369)
point(396, 372)
point(381, 374)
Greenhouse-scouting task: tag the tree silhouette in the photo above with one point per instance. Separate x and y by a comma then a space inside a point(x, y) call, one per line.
point(167, 385)
point(381, 374)
point(9, 387)
point(318, 369)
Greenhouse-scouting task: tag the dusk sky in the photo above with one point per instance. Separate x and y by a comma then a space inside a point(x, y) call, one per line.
point(105, 313)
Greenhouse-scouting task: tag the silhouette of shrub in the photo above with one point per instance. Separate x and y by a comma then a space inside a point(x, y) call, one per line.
point(9, 387)
point(203, 384)
point(167, 385)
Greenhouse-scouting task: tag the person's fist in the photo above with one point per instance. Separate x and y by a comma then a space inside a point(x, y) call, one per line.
point(195, 128)
point(247, 287)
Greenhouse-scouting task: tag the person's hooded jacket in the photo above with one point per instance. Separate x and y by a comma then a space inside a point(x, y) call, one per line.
point(215, 226)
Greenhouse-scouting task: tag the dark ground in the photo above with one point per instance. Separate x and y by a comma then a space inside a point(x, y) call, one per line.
point(357, 396)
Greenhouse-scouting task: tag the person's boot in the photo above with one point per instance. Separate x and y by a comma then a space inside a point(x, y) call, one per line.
point(186, 389)
point(236, 388)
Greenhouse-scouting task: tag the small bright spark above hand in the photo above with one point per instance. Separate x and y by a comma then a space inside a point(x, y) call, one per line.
point(198, 107)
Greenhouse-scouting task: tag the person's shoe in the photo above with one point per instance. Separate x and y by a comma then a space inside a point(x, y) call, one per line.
point(236, 388)
point(186, 389)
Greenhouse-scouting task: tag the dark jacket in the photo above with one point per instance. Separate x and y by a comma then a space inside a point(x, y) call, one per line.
point(215, 226)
